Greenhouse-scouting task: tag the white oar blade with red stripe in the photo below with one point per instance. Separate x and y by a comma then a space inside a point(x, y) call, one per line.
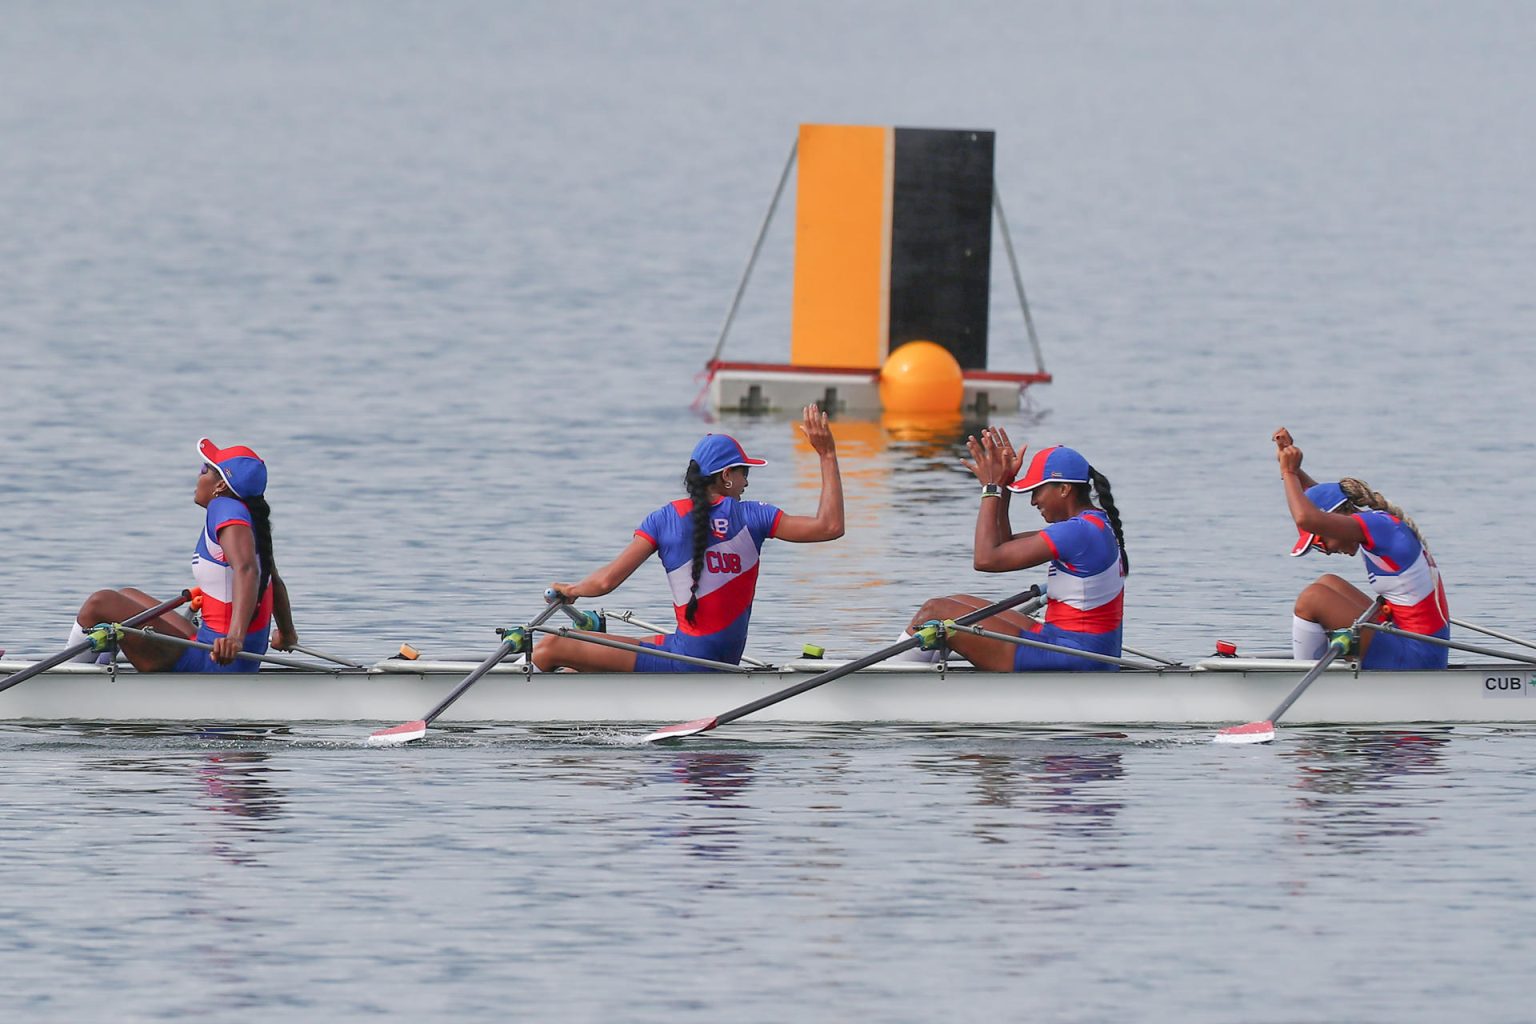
point(673, 732)
point(1253, 732)
point(398, 735)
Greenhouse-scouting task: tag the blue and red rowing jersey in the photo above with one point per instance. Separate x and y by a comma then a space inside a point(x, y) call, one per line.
point(1085, 589)
point(214, 576)
point(728, 578)
point(1404, 573)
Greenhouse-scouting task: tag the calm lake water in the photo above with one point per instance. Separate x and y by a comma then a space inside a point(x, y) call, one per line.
point(453, 269)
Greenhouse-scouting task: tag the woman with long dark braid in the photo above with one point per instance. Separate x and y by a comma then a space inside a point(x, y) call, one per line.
point(1344, 518)
point(1083, 543)
point(232, 565)
point(709, 544)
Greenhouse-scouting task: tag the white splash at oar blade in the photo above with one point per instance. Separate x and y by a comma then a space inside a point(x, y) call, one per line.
point(399, 735)
point(1253, 732)
point(678, 731)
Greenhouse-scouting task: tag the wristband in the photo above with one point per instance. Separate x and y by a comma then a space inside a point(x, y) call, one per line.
point(991, 491)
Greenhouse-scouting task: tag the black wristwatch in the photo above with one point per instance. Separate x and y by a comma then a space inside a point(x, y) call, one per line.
point(991, 491)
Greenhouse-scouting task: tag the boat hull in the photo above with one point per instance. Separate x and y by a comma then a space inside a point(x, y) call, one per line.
point(1214, 693)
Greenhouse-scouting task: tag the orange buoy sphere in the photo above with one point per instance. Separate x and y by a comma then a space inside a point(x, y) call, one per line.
point(921, 377)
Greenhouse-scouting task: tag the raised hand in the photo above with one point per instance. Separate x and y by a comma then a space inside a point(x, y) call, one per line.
point(991, 461)
point(1014, 459)
point(814, 426)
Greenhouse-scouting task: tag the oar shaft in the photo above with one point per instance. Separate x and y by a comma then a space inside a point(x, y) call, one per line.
point(1128, 649)
point(1493, 632)
point(1024, 641)
point(84, 645)
point(469, 680)
point(1452, 644)
point(488, 664)
point(629, 617)
point(606, 641)
point(181, 641)
point(1322, 664)
point(328, 657)
point(868, 660)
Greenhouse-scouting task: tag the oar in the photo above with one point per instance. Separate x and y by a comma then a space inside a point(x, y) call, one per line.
point(1452, 644)
point(328, 657)
point(181, 641)
point(84, 645)
point(1024, 641)
point(1128, 649)
point(706, 724)
point(1263, 732)
point(1492, 632)
point(630, 617)
point(634, 645)
point(405, 732)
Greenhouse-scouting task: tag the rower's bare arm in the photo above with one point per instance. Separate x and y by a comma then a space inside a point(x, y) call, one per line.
point(239, 544)
point(993, 462)
point(608, 578)
point(1334, 526)
point(1022, 552)
point(1283, 440)
point(285, 635)
point(827, 523)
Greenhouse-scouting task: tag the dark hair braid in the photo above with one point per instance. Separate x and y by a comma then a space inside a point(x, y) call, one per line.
point(698, 489)
point(1106, 499)
point(261, 518)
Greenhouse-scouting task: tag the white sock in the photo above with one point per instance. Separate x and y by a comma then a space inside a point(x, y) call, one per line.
point(916, 653)
point(1308, 639)
point(76, 635)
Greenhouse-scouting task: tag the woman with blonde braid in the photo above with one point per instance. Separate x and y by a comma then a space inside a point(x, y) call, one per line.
point(1346, 517)
point(709, 544)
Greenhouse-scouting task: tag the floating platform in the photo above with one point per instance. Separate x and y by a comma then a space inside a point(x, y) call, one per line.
point(782, 388)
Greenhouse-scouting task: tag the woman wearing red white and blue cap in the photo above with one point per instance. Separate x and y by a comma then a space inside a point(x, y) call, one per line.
point(232, 565)
point(1082, 542)
point(1346, 517)
point(709, 544)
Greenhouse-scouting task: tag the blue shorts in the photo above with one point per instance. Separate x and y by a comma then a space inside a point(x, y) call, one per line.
point(1404, 653)
point(1033, 659)
point(682, 643)
point(195, 659)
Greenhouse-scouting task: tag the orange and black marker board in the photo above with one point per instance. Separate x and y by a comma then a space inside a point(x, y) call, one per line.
point(893, 243)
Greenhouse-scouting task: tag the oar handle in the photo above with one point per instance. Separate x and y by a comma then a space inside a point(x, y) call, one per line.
point(84, 645)
point(868, 660)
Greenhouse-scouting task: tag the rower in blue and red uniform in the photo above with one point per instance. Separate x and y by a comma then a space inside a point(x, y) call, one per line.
point(709, 544)
point(1346, 517)
point(1084, 544)
point(232, 565)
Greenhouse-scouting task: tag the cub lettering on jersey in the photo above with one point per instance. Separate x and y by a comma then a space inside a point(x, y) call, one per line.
point(717, 561)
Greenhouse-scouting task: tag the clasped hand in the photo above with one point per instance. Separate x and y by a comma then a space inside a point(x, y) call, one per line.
point(993, 458)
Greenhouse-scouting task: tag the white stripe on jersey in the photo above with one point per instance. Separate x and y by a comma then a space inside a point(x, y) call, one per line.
point(1085, 592)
